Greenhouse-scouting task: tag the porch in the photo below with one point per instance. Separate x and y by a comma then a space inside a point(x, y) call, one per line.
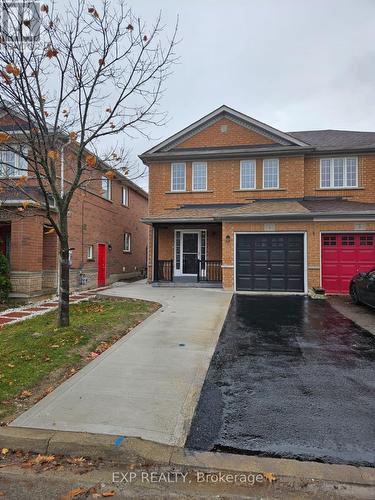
point(187, 255)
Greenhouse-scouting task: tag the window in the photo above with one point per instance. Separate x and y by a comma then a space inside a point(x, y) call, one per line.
point(248, 174)
point(271, 174)
point(339, 172)
point(366, 241)
point(178, 177)
point(106, 188)
point(329, 241)
point(125, 196)
point(90, 252)
point(199, 181)
point(12, 164)
point(127, 242)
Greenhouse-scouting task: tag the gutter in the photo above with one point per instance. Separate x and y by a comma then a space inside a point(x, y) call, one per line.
point(224, 153)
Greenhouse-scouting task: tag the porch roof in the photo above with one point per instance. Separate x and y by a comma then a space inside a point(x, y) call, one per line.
point(302, 208)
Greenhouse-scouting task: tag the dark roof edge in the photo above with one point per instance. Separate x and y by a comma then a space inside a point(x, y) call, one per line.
point(222, 153)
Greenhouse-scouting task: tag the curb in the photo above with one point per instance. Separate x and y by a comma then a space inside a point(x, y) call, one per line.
point(132, 450)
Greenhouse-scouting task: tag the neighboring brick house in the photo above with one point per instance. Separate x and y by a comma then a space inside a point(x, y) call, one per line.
point(236, 202)
point(107, 240)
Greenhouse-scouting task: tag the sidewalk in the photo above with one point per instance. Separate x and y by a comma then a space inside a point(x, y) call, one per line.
point(148, 383)
point(28, 311)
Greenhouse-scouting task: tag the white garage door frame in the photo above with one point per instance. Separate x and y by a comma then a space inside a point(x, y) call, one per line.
point(347, 231)
point(305, 284)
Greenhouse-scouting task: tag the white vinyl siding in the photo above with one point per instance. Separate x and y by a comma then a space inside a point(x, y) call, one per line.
point(178, 177)
point(271, 173)
point(199, 176)
point(337, 173)
point(12, 164)
point(248, 174)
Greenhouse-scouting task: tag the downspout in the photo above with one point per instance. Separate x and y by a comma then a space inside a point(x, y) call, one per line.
point(62, 180)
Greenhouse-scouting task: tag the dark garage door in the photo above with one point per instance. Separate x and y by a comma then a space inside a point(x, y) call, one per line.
point(270, 262)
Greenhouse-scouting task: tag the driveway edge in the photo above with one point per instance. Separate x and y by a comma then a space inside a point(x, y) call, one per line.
point(132, 450)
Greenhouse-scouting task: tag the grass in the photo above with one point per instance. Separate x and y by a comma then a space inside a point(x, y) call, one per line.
point(35, 356)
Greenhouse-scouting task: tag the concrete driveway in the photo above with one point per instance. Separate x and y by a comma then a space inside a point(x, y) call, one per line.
point(147, 384)
point(291, 377)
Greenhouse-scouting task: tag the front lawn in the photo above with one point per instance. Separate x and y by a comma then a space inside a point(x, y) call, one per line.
point(35, 356)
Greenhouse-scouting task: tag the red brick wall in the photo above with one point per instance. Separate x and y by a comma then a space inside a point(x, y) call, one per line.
point(233, 135)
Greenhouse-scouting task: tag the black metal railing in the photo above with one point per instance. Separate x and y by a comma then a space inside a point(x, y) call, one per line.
point(209, 270)
point(165, 270)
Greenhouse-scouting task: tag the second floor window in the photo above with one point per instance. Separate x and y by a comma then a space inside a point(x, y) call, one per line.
point(178, 177)
point(125, 196)
point(199, 179)
point(12, 164)
point(271, 174)
point(106, 188)
point(248, 174)
point(338, 172)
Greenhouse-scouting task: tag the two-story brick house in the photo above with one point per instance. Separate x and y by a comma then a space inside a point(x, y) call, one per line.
point(236, 202)
point(107, 240)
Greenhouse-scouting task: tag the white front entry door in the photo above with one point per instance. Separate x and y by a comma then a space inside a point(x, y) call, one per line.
point(189, 246)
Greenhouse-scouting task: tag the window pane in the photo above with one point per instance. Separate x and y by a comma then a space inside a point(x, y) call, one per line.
point(325, 173)
point(127, 242)
point(351, 172)
point(178, 176)
point(125, 195)
point(271, 174)
point(199, 176)
point(248, 174)
point(338, 172)
point(106, 188)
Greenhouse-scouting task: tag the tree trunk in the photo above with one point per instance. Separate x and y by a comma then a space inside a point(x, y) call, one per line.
point(63, 316)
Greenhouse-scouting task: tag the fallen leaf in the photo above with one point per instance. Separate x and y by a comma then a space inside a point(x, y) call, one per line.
point(73, 493)
point(4, 451)
point(110, 493)
point(26, 394)
point(269, 476)
point(11, 366)
point(2, 494)
point(43, 459)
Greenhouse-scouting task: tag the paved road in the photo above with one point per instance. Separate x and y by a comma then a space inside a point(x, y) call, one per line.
point(148, 383)
point(290, 377)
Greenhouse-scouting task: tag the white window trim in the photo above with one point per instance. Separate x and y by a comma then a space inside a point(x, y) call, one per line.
point(125, 189)
point(254, 162)
point(331, 173)
point(128, 250)
point(90, 252)
point(278, 174)
point(18, 159)
point(194, 165)
point(172, 165)
point(109, 197)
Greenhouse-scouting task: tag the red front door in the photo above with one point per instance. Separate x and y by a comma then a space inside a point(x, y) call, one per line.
point(343, 256)
point(102, 261)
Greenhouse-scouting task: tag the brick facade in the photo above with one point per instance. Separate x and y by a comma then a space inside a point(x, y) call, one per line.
point(299, 177)
point(33, 250)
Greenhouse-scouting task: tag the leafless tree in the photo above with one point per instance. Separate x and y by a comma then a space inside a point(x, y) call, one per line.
point(71, 79)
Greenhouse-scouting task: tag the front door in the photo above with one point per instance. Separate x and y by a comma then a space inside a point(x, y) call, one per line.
point(189, 253)
point(102, 257)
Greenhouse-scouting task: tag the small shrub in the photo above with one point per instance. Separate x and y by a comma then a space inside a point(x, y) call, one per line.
point(4, 265)
point(5, 288)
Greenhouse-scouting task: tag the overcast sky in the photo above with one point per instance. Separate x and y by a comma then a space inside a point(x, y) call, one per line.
point(294, 64)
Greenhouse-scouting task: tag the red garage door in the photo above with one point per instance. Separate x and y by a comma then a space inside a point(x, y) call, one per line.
point(343, 256)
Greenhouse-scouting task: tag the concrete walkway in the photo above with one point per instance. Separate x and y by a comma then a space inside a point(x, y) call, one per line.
point(147, 384)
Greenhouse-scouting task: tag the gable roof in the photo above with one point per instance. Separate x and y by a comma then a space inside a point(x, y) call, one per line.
point(236, 116)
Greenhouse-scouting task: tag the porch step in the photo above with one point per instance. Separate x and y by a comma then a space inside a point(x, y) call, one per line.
point(191, 284)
